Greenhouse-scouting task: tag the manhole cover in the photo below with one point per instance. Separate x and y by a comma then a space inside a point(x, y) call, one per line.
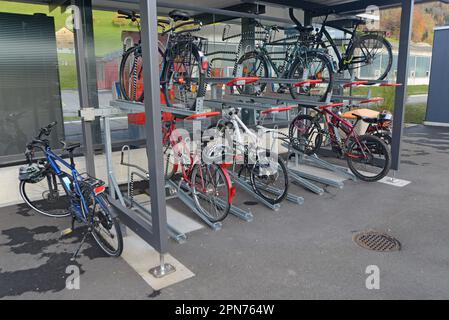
point(377, 241)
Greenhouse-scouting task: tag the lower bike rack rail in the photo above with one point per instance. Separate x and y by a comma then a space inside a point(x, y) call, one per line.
point(245, 185)
point(302, 177)
point(185, 197)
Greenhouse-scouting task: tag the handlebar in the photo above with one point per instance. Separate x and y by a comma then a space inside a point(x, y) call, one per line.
point(131, 15)
point(45, 131)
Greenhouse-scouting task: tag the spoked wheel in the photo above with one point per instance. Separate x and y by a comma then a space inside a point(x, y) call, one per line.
point(131, 74)
point(312, 66)
point(251, 64)
point(105, 228)
point(305, 134)
point(170, 165)
point(369, 158)
point(47, 197)
point(372, 58)
point(269, 179)
point(211, 191)
point(183, 81)
point(384, 135)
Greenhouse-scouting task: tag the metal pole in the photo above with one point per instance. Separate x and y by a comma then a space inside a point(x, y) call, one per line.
point(148, 12)
point(402, 77)
point(108, 151)
point(87, 81)
point(248, 44)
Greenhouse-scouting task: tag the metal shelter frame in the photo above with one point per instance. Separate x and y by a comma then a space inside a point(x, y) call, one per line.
point(156, 234)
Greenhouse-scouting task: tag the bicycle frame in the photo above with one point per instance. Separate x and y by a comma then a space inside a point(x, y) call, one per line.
point(53, 160)
point(168, 135)
point(333, 121)
point(193, 160)
point(343, 62)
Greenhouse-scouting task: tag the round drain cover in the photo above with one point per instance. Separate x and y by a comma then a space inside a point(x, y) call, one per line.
point(377, 241)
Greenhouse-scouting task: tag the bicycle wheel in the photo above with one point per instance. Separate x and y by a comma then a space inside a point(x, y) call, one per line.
point(46, 197)
point(105, 228)
point(312, 65)
point(305, 134)
point(210, 190)
point(131, 74)
point(182, 79)
point(269, 179)
point(368, 158)
point(170, 165)
point(384, 135)
point(251, 64)
point(371, 57)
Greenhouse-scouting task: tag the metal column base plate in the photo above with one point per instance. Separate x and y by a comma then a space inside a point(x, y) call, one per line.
point(162, 271)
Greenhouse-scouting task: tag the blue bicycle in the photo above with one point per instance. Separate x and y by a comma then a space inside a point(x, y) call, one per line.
point(53, 192)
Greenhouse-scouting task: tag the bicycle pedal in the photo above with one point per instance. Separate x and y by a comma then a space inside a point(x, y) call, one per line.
point(66, 232)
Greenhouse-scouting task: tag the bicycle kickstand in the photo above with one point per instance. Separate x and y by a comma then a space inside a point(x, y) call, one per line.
point(68, 231)
point(81, 244)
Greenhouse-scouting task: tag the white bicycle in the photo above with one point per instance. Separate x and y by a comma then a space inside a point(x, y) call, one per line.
point(251, 159)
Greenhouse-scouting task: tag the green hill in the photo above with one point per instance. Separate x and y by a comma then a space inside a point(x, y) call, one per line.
point(107, 35)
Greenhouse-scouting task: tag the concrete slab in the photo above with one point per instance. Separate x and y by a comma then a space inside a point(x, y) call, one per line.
point(306, 252)
point(141, 257)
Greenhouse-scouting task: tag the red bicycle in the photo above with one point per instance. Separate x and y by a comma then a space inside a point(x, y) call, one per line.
point(208, 182)
point(368, 156)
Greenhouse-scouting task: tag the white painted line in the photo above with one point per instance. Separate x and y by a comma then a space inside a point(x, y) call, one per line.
point(142, 257)
point(394, 182)
point(436, 124)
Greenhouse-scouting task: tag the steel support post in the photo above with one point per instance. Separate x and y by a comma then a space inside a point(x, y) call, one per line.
point(248, 44)
point(148, 11)
point(402, 77)
point(87, 75)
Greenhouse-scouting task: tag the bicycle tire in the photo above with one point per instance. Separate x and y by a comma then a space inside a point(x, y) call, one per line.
point(43, 206)
point(264, 74)
point(167, 73)
point(112, 223)
point(223, 197)
point(123, 63)
point(385, 43)
point(300, 125)
point(304, 59)
point(383, 149)
point(258, 189)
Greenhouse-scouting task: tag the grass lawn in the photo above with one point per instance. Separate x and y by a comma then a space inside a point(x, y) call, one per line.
point(107, 35)
point(379, 91)
point(415, 113)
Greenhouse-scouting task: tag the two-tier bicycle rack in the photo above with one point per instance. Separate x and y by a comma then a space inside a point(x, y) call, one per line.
point(180, 191)
point(251, 102)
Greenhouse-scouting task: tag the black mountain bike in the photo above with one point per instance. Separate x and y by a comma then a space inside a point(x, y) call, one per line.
point(299, 61)
point(362, 51)
point(182, 64)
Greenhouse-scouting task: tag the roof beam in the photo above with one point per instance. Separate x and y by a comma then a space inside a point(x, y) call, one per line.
point(361, 5)
point(207, 18)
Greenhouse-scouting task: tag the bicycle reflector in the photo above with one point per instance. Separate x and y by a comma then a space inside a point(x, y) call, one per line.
point(204, 64)
point(99, 190)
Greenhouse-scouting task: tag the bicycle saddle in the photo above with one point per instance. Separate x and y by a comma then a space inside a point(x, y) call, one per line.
point(70, 146)
point(366, 119)
point(178, 15)
point(307, 29)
